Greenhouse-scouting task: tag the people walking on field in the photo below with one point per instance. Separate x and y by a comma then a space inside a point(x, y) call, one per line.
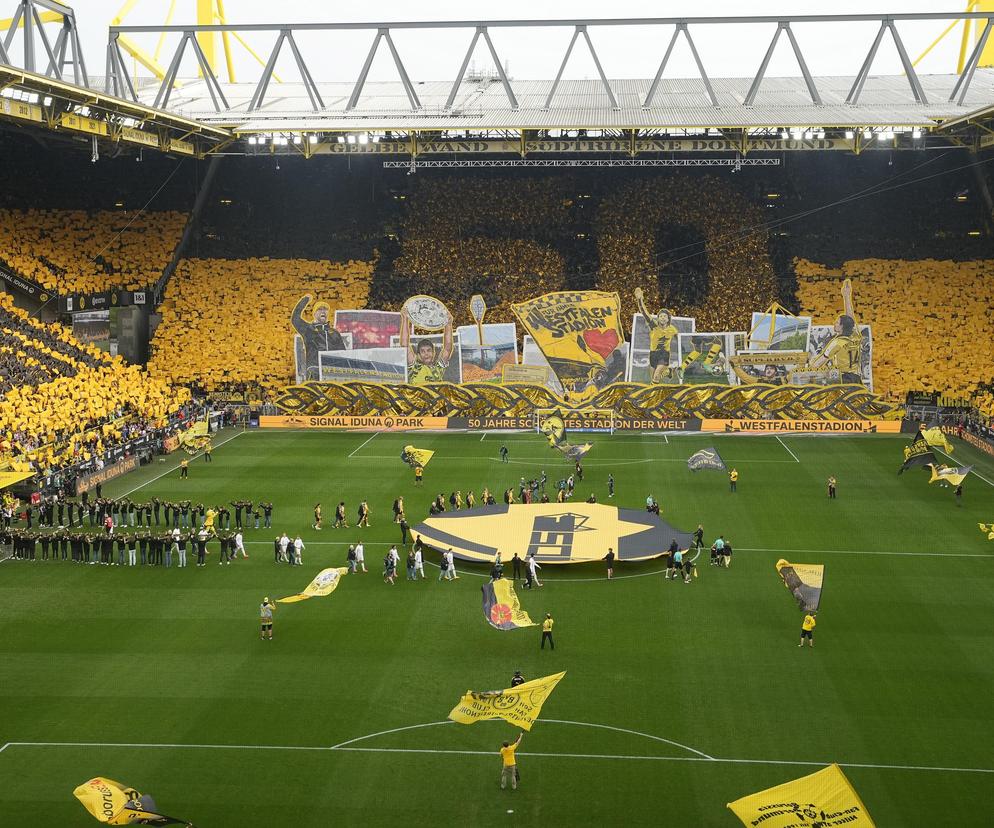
point(360, 557)
point(317, 516)
point(451, 570)
point(419, 563)
point(363, 513)
point(340, 521)
point(298, 547)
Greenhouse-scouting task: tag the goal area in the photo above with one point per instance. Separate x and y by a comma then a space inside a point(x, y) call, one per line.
point(601, 420)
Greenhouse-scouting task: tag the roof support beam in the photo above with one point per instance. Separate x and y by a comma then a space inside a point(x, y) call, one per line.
point(118, 82)
point(481, 30)
point(808, 80)
point(33, 13)
point(681, 27)
point(4, 57)
point(317, 104)
point(577, 31)
point(887, 24)
point(210, 80)
point(966, 78)
point(412, 95)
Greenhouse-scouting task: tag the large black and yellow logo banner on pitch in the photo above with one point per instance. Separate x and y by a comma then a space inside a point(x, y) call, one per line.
point(555, 533)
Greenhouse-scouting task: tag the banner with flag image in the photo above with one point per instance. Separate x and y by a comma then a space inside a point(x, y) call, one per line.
point(518, 705)
point(112, 803)
point(949, 475)
point(804, 581)
point(501, 607)
point(324, 583)
point(706, 458)
point(415, 457)
point(936, 438)
point(823, 799)
point(917, 453)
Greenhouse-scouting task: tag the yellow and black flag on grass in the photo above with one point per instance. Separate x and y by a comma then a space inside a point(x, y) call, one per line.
point(501, 607)
point(112, 803)
point(823, 799)
point(706, 458)
point(518, 705)
point(950, 475)
point(415, 457)
point(804, 581)
point(917, 453)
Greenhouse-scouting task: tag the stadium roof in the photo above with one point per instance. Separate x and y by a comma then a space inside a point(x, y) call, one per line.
point(584, 104)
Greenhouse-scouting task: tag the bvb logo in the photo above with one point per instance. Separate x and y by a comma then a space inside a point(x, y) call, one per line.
point(503, 702)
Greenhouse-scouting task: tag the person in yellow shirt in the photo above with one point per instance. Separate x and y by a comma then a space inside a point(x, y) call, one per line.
point(808, 629)
point(184, 469)
point(733, 479)
point(509, 766)
point(547, 631)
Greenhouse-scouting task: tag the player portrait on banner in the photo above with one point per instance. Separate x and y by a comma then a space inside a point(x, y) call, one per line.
point(429, 356)
point(315, 336)
point(704, 357)
point(369, 328)
point(845, 347)
point(767, 367)
point(485, 362)
point(654, 353)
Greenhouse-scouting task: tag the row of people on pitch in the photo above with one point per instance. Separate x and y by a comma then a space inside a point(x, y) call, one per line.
point(125, 512)
point(341, 516)
point(289, 551)
point(137, 549)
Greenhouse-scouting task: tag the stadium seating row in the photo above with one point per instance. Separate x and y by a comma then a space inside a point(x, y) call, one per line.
point(227, 321)
point(73, 251)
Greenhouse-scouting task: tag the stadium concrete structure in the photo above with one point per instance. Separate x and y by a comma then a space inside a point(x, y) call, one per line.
point(188, 108)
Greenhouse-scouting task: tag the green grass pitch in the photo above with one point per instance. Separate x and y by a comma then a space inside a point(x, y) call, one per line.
point(157, 678)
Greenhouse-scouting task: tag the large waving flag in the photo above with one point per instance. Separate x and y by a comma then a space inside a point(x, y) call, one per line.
point(501, 607)
point(917, 453)
point(804, 581)
point(195, 437)
point(415, 457)
point(936, 438)
point(324, 583)
point(116, 804)
point(518, 705)
point(823, 798)
point(554, 428)
point(987, 529)
point(951, 475)
point(706, 458)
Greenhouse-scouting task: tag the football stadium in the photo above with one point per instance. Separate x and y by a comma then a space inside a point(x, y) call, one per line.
point(444, 349)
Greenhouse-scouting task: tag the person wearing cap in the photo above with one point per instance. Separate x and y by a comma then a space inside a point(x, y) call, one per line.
point(266, 618)
point(547, 631)
point(517, 678)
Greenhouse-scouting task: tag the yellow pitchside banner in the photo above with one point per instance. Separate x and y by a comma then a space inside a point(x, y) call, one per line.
point(324, 583)
point(518, 705)
point(9, 478)
point(823, 799)
point(578, 331)
point(113, 803)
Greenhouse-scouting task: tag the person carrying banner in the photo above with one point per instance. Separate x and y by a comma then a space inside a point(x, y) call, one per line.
point(808, 629)
point(509, 767)
point(609, 558)
point(831, 487)
point(266, 619)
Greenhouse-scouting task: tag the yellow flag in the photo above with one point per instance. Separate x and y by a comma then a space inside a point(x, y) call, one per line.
point(518, 705)
point(9, 478)
point(324, 583)
point(415, 457)
point(116, 804)
point(822, 799)
point(936, 438)
point(987, 529)
point(952, 475)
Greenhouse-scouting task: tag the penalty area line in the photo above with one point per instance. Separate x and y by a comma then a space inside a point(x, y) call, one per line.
point(364, 444)
point(173, 468)
point(782, 443)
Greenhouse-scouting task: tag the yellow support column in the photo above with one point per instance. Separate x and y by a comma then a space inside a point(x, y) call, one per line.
point(987, 56)
point(207, 40)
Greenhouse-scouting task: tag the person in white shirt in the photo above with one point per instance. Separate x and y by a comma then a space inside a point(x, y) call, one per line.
point(532, 574)
point(419, 563)
point(240, 545)
point(450, 573)
point(298, 546)
point(284, 544)
point(394, 556)
point(360, 556)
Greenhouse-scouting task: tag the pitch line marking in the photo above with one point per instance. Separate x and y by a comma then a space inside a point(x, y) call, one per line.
point(484, 437)
point(365, 443)
point(782, 443)
point(554, 460)
point(170, 470)
point(6, 745)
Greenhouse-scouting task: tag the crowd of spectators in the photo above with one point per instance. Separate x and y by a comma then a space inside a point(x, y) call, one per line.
point(74, 251)
point(63, 401)
point(227, 321)
point(930, 320)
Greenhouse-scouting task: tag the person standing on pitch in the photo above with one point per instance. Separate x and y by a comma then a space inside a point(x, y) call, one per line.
point(266, 618)
point(959, 495)
point(503, 454)
point(610, 485)
point(360, 556)
point(517, 678)
point(317, 517)
point(340, 516)
point(239, 545)
point(808, 629)
point(516, 568)
point(450, 572)
point(699, 537)
point(733, 479)
point(533, 565)
point(405, 528)
point(509, 767)
point(609, 558)
point(547, 631)
point(726, 554)
point(831, 487)
point(298, 547)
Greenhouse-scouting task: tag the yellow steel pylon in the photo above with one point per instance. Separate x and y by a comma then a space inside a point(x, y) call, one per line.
point(974, 26)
